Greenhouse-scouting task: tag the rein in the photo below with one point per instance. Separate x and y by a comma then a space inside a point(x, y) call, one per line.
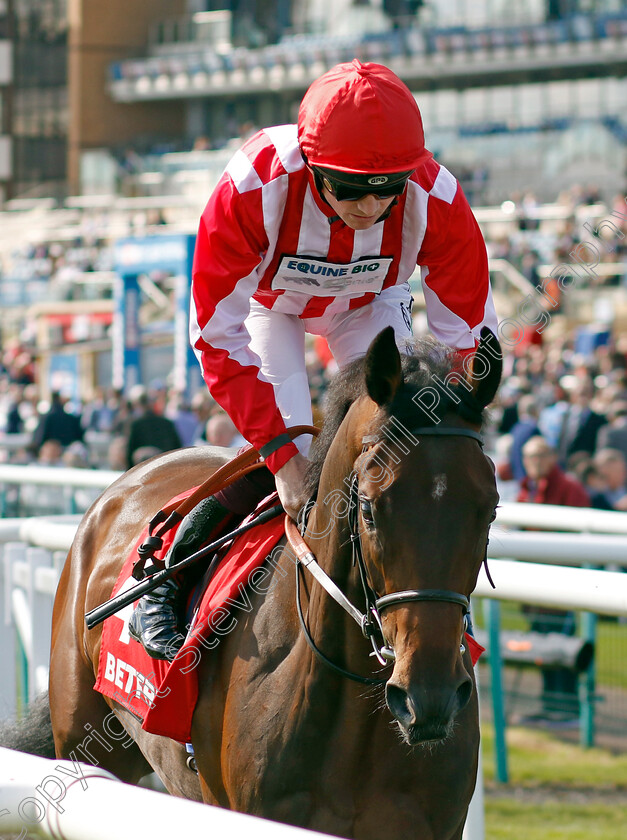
point(369, 621)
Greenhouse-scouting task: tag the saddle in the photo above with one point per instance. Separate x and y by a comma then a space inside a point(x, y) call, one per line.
point(160, 693)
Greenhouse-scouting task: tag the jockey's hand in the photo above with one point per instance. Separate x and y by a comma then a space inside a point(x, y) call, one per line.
point(290, 484)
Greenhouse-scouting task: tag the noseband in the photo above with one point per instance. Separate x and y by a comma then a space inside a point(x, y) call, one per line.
point(370, 620)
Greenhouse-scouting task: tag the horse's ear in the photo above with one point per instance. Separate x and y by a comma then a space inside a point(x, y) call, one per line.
point(487, 368)
point(384, 375)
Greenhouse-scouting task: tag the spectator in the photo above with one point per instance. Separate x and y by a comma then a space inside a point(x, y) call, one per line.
point(158, 395)
point(179, 410)
point(594, 486)
point(76, 456)
point(551, 418)
point(546, 483)
point(203, 406)
point(221, 431)
point(612, 468)
point(101, 412)
point(525, 428)
point(15, 422)
point(580, 424)
point(50, 453)
point(149, 429)
point(116, 453)
point(508, 488)
point(57, 424)
point(577, 463)
point(508, 397)
point(614, 434)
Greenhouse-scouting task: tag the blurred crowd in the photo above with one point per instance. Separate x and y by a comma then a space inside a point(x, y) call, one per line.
point(534, 244)
point(112, 430)
point(561, 424)
point(109, 431)
point(530, 238)
point(558, 430)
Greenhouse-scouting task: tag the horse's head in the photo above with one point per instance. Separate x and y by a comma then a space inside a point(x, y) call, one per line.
point(423, 497)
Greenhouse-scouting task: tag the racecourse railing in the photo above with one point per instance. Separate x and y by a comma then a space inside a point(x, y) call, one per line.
point(33, 489)
point(40, 797)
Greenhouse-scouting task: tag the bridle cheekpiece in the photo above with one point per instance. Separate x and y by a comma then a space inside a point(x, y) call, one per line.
point(370, 620)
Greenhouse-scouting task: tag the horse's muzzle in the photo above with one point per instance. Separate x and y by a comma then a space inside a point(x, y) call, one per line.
point(427, 715)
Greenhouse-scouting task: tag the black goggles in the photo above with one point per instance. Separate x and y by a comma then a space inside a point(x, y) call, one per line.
point(347, 187)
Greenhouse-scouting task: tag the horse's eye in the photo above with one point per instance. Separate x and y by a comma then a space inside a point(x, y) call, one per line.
point(365, 506)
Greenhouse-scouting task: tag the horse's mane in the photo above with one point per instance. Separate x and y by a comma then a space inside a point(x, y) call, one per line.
point(430, 362)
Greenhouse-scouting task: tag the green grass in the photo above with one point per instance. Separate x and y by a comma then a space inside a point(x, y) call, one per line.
point(557, 790)
point(611, 654)
point(537, 758)
point(510, 819)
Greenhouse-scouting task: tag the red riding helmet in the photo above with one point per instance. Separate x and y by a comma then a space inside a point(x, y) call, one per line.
point(361, 118)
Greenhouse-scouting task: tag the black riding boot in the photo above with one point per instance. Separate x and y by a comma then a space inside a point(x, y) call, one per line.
point(157, 621)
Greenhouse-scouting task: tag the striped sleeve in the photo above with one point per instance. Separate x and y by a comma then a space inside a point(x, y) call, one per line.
point(229, 249)
point(454, 262)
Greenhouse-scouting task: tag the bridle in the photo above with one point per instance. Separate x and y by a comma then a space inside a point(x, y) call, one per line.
point(370, 620)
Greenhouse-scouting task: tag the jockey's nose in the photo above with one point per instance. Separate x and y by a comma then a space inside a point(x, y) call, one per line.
point(368, 205)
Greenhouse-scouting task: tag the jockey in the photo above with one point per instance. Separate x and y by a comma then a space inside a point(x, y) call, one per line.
point(317, 228)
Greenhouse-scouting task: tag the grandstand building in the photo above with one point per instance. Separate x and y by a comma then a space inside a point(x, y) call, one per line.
point(517, 96)
point(524, 95)
point(54, 56)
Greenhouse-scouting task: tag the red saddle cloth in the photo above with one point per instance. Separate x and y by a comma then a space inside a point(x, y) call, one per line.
point(163, 694)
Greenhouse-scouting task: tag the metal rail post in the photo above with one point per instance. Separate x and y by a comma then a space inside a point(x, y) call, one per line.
point(492, 612)
point(587, 685)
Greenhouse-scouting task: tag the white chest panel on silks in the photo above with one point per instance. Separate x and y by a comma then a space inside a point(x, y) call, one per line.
point(320, 278)
point(310, 272)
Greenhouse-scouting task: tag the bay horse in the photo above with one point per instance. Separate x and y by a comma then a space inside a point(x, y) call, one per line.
point(296, 721)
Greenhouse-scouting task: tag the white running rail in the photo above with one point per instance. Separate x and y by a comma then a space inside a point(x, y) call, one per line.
point(50, 798)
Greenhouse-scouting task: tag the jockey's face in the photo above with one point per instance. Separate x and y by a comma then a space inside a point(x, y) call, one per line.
point(362, 213)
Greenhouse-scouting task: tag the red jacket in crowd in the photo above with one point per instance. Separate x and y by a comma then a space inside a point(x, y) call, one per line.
point(556, 488)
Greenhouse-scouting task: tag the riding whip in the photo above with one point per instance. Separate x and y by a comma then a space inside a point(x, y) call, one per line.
point(113, 605)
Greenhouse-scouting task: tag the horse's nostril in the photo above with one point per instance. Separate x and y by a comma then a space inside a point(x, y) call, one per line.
point(464, 693)
point(398, 703)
